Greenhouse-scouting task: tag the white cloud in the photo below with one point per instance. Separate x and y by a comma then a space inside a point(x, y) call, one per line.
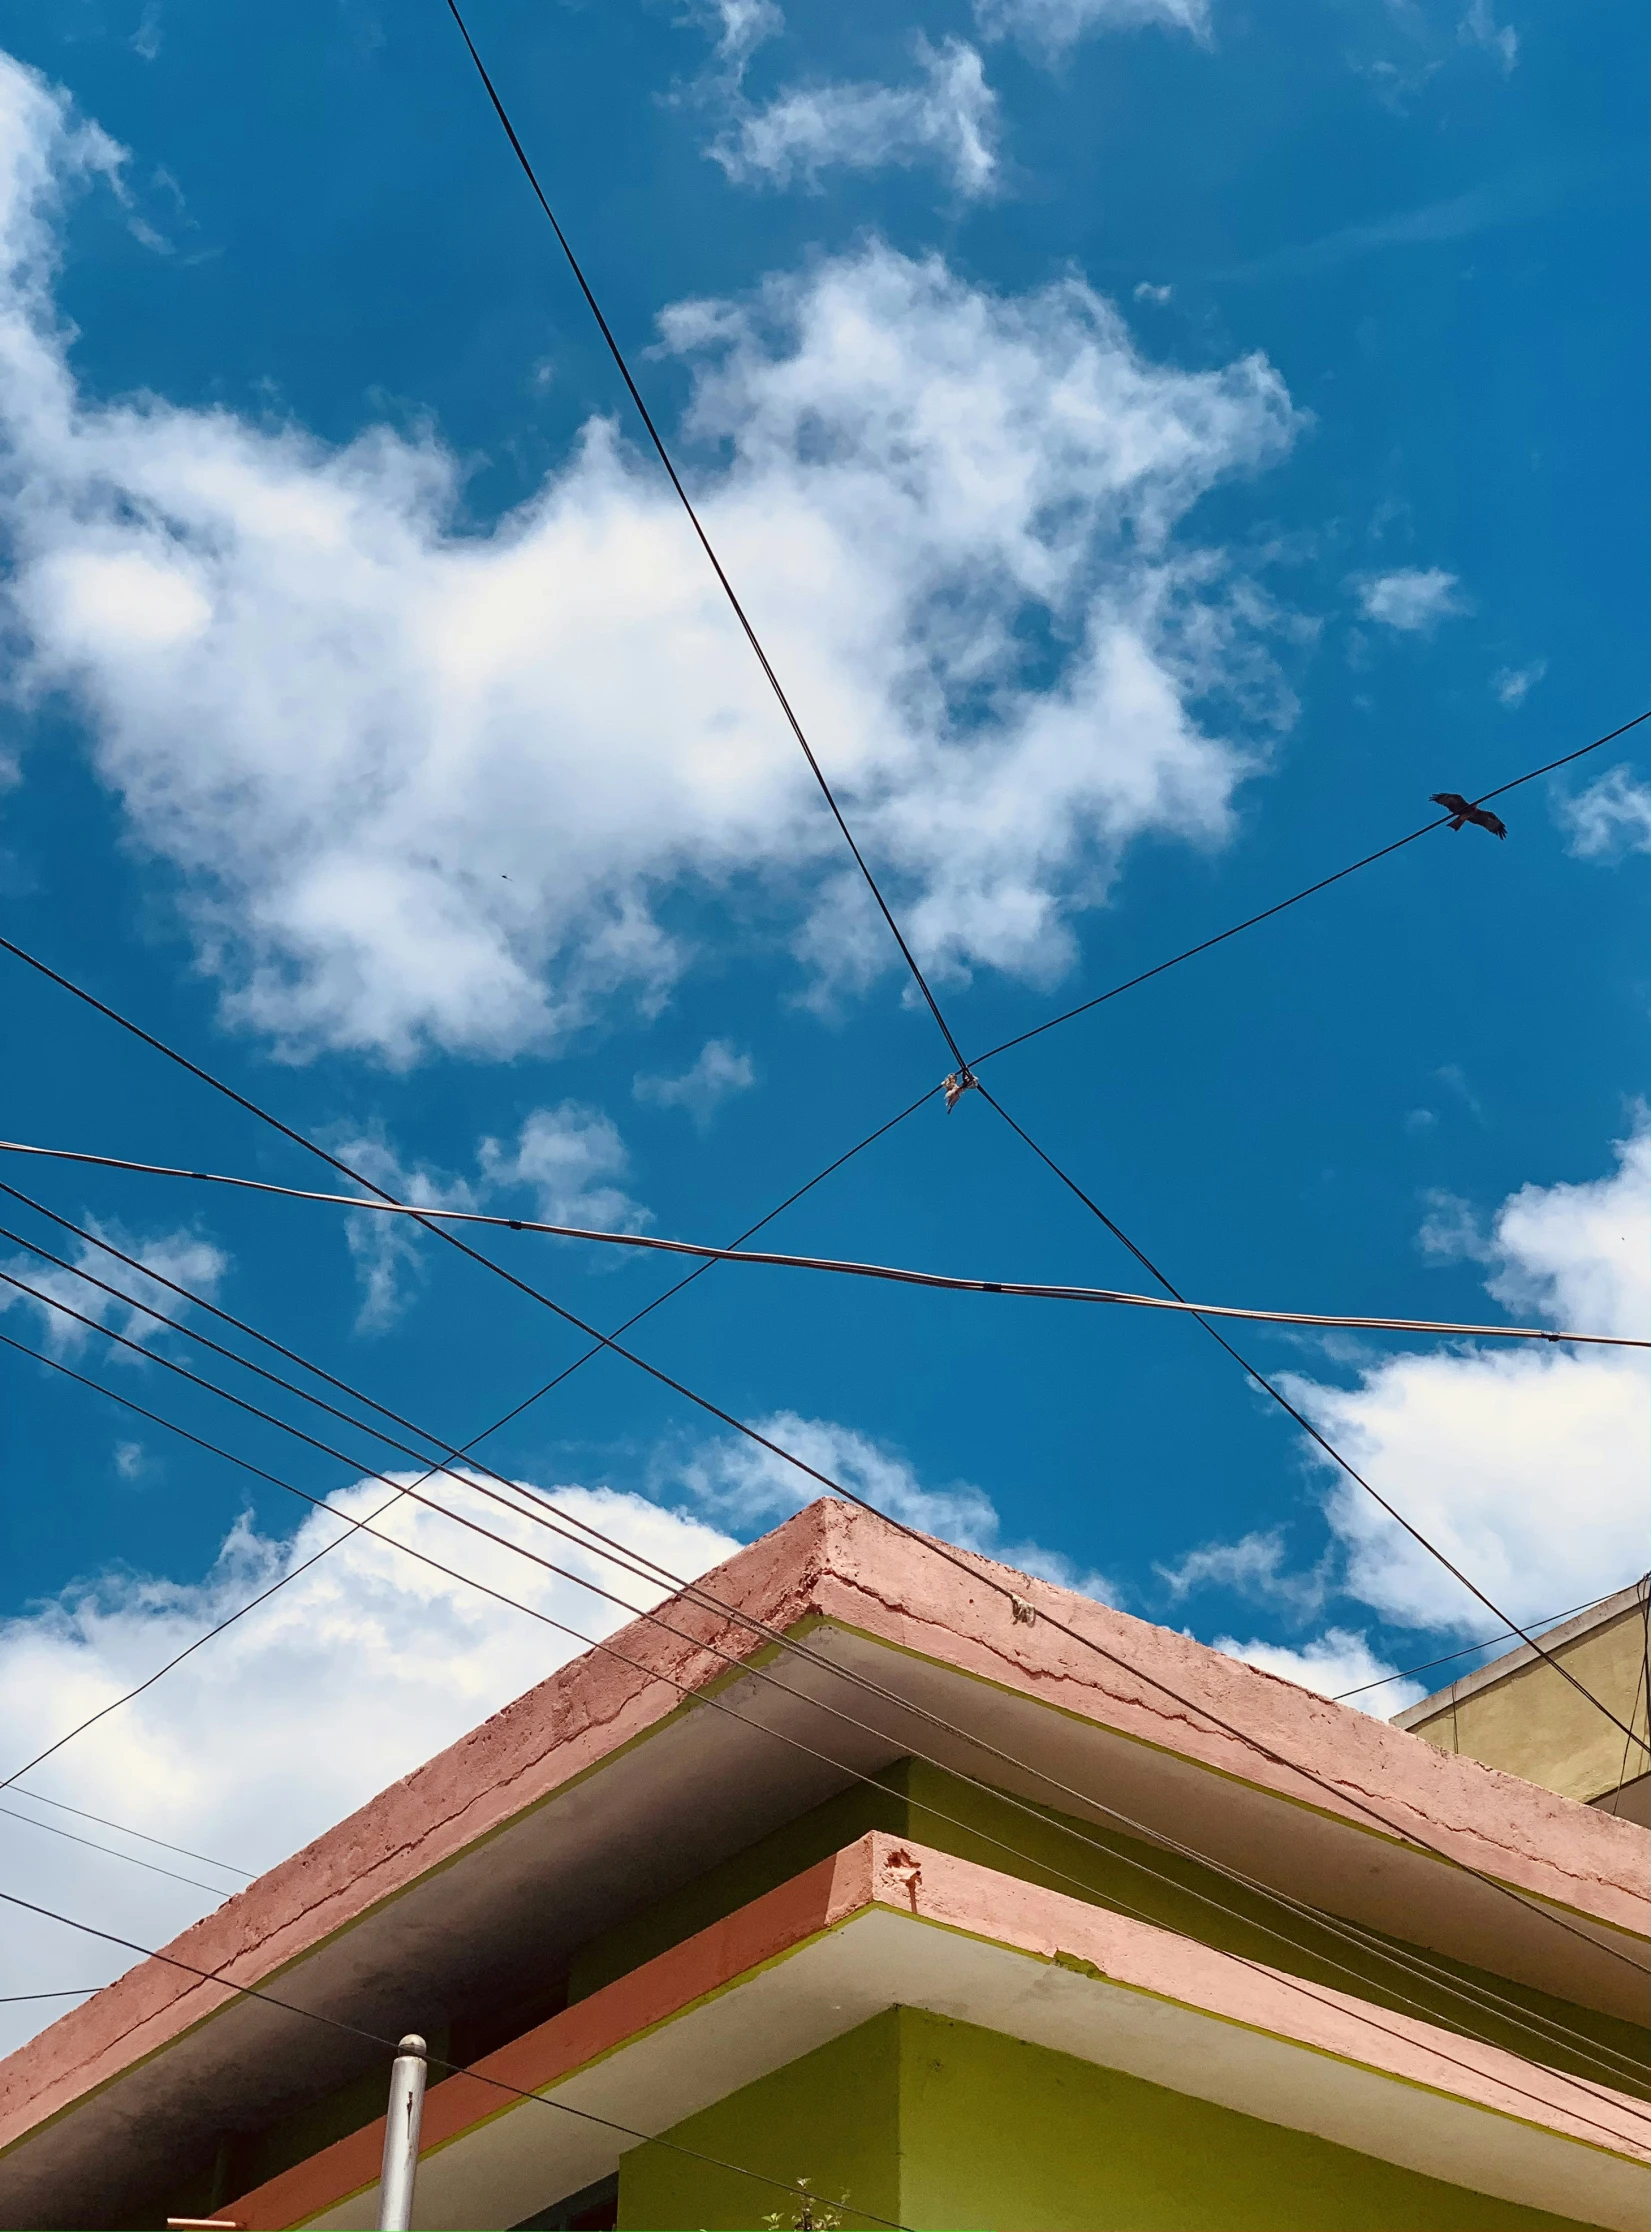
point(1254, 1565)
point(739, 27)
point(1610, 818)
point(1334, 1662)
point(145, 41)
point(1147, 292)
point(567, 1156)
point(1526, 1466)
point(1479, 28)
point(948, 117)
point(1513, 685)
point(719, 1072)
point(736, 1481)
point(130, 1460)
point(182, 1256)
point(357, 1671)
point(424, 785)
point(1050, 28)
point(1414, 599)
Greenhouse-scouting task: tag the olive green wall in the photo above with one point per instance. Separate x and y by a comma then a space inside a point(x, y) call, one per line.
point(945, 2127)
point(1039, 1845)
point(1537, 1724)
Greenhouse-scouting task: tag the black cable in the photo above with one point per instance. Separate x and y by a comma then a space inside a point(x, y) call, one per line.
point(849, 1495)
point(436, 2061)
point(1295, 898)
point(1404, 1673)
point(463, 1450)
point(1310, 1429)
point(716, 1704)
point(727, 586)
point(183, 1851)
point(218, 1890)
point(895, 1274)
point(1354, 1934)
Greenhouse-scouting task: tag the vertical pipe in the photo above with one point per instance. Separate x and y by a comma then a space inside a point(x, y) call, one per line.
point(401, 2128)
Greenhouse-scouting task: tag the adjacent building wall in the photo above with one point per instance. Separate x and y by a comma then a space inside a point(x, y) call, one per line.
point(1520, 1714)
point(928, 2123)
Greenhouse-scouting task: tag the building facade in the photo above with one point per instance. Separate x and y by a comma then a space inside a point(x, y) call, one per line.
point(870, 1883)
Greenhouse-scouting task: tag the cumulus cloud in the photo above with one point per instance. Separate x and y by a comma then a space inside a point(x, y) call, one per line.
point(1610, 818)
point(567, 1156)
point(719, 1072)
point(1414, 599)
point(428, 786)
point(1051, 28)
point(738, 27)
point(1479, 28)
point(1526, 1466)
point(1335, 1662)
point(736, 1481)
point(361, 1667)
point(1256, 1565)
point(948, 116)
point(182, 1256)
point(1513, 685)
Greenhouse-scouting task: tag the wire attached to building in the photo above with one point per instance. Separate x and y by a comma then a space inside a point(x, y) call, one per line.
point(1354, 1934)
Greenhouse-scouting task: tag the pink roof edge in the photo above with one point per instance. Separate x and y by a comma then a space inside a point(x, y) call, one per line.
point(836, 1562)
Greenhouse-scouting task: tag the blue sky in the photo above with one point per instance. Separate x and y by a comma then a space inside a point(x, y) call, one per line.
point(1161, 444)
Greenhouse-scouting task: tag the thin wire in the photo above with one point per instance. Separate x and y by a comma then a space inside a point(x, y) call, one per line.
point(464, 1448)
point(697, 1698)
point(1548, 1620)
point(1307, 1427)
point(436, 2061)
point(1020, 1289)
point(40, 1799)
point(77, 1991)
point(704, 539)
point(218, 1890)
point(1475, 1997)
point(1296, 898)
point(1640, 1683)
point(800, 1464)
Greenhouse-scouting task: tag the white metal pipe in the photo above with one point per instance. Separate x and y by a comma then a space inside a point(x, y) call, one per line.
point(401, 2130)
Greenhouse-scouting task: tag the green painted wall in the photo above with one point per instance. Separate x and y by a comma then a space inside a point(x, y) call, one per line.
point(939, 1809)
point(945, 2127)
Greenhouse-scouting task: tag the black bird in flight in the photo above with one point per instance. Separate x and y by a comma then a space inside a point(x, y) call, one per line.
point(1460, 811)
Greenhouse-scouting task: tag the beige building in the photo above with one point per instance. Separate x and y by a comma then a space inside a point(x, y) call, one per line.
point(1520, 1714)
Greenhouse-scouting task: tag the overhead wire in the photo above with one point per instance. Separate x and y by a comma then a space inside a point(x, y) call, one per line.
point(1307, 1427)
point(1405, 1673)
point(634, 1563)
point(218, 1890)
point(751, 1433)
point(947, 1282)
point(435, 2061)
point(1280, 906)
point(1589, 2049)
point(717, 567)
point(700, 1699)
point(39, 1797)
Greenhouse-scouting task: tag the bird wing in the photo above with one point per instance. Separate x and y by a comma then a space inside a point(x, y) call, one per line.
point(1452, 801)
point(1493, 822)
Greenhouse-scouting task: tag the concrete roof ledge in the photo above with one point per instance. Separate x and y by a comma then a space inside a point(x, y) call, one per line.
point(835, 1563)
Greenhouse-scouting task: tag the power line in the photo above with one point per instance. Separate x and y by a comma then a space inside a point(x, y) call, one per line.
point(764, 1441)
point(1353, 1934)
point(40, 1799)
point(218, 1890)
point(75, 1991)
point(436, 2061)
point(1016, 1288)
point(1295, 899)
point(704, 540)
point(1589, 2051)
point(1309, 1428)
point(718, 1705)
point(464, 1448)
point(1548, 1620)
